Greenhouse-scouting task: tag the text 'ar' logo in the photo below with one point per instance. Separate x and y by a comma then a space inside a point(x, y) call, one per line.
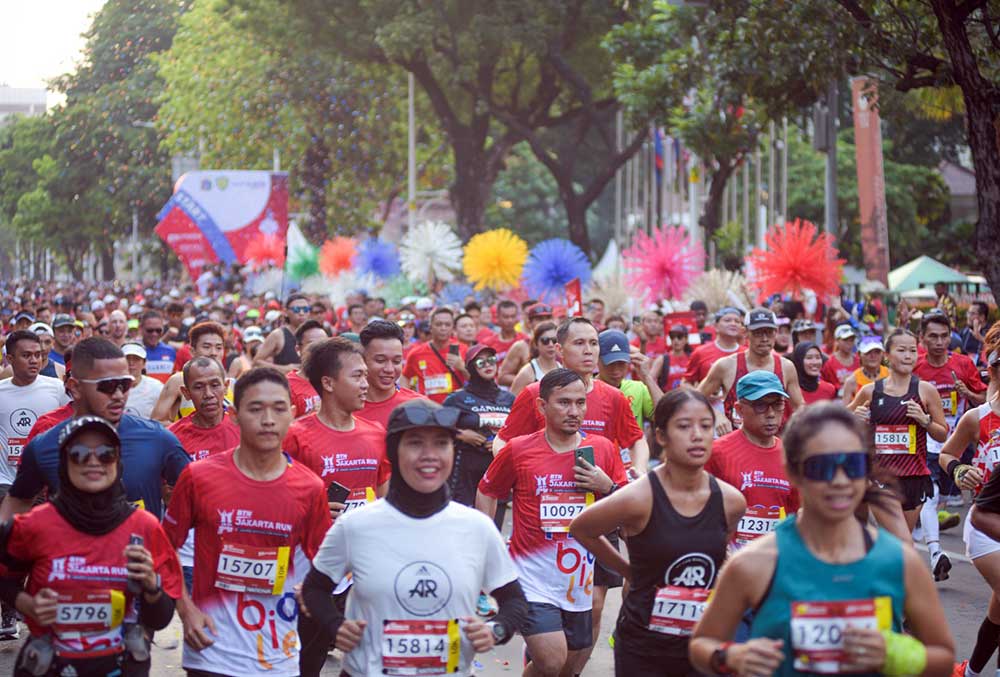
point(423, 588)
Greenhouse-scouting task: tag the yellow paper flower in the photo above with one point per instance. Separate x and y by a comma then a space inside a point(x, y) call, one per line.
point(494, 259)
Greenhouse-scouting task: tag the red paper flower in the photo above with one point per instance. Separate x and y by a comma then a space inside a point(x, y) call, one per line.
point(798, 257)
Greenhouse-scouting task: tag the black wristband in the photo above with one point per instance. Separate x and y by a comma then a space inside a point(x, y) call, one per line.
point(954, 463)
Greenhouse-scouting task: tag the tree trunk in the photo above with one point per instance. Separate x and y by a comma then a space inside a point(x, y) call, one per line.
point(711, 218)
point(107, 254)
point(315, 169)
point(477, 166)
point(576, 214)
point(982, 106)
point(73, 258)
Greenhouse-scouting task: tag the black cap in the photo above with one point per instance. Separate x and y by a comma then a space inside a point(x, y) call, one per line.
point(62, 320)
point(84, 423)
point(761, 318)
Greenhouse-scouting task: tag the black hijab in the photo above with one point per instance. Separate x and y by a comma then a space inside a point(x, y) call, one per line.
point(486, 389)
point(806, 382)
point(405, 498)
point(91, 513)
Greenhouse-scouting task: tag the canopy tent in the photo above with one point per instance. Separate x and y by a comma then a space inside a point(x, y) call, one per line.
point(923, 271)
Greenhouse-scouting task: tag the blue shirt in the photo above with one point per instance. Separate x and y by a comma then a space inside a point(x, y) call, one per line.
point(160, 361)
point(57, 357)
point(150, 455)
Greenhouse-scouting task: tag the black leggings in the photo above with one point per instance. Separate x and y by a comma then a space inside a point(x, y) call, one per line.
point(632, 662)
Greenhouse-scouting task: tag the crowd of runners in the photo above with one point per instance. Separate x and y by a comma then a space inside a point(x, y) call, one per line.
point(296, 478)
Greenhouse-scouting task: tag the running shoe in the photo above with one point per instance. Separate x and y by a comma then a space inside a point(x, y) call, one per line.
point(486, 607)
point(954, 501)
point(959, 670)
point(941, 565)
point(8, 624)
point(948, 520)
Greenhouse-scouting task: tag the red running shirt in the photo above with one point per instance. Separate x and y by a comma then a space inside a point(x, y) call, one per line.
point(83, 569)
point(836, 372)
point(608, 414)
point(552, 567)
point(758, 472)
point(51, 420)
point(304, 396)
point(703, 358)
point(943, 379)
point(988, 448)
point(201, 442)
point(355, 459)
point(378, 412)
point(493, 340)
point(742, 369)
point(824, 391)
point(253, 543)
point(428, 372)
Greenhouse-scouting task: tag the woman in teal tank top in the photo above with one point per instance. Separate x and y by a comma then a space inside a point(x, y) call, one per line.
point(828, 594)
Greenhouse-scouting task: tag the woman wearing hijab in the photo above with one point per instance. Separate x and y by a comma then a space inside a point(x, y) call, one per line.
point(808, 361)
point(490, 405)
point(98, 570)
point(414, 540)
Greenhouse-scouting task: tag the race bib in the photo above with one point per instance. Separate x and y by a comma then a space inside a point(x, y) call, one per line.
point(556, 511)
point(896, 439)
point(438, 384)
point(949, 401)
point(755, 523)
point(359, 498)
point(493, 420)
point(15, 446)
point(413, 647)
point(84, 612)
point(818, 630)
point(250, 568)
point(676, 610)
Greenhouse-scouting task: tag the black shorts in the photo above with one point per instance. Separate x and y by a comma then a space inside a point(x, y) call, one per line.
point(914, 490)
point(576, 625)
point(603, 576)
point(631, 662)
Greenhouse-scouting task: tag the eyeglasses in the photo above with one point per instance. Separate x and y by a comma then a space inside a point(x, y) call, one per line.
point(547, 340)
point(485, 361)
point(823, 468)
point(110, 384)
point(675, 337)
point(79, 453)
point(762, 407)
point(153, 330)
point(300, 310)
point(445, 417)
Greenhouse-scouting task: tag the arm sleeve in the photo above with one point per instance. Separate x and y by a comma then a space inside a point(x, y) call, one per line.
point(513, 611)
point(175, 458)
point(157, 615)
point(317, 593)
point(29, 480)
point(523, 419)
point(498, 479)
point(180, 513)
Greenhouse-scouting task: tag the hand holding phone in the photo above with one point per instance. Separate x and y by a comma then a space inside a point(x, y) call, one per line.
point(336, 497)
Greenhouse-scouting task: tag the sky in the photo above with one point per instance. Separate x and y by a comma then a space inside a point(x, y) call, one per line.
point(40, 39)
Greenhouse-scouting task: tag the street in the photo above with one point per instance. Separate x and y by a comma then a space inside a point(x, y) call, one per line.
point(965, 597)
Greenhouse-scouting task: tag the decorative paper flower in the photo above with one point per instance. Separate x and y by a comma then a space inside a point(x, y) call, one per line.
point(495, 259)
point(455, 294)
point(720, 288)
point(399, 287)
point(337, 255)
point(265, 250)
point(303, 263)
point(377, 257)
point(662, 266)
point(551, 265)
point(349, 282)
point(798, 257)
point(269, 280)
point(430, 251)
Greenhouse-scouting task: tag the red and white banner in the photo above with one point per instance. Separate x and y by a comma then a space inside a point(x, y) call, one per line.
point(214, 215)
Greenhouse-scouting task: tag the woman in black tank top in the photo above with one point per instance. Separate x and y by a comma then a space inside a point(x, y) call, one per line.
point(677, 521)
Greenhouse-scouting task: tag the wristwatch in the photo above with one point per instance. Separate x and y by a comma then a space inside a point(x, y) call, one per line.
point(718, 660)
point(499, 632)
point(159, 586)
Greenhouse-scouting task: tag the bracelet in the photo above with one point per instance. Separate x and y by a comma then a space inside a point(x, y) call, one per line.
point(960, 472)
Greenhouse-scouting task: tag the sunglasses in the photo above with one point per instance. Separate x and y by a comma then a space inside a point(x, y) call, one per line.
point(674, 337)
point(110, 384)
point(762, 407)
point(300, 310)
point(153, 330)
point(446, 417)
point(485, 361)
point(823, 468)
point(80, 453)
point(547, 340)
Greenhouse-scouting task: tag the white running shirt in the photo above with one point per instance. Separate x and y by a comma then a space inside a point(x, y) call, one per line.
point(20, 407)
point(142, 398)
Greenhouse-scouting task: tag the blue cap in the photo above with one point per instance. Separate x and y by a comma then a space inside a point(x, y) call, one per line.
point(614, 346)
point(758, 384)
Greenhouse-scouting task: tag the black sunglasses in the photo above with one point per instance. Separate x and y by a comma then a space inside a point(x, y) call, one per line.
point(484, 361)
point(547, 340)
point(79, 453)
point(445, 417)
point(110, 384)
point(153, 330)
point(300, 310)
point(823, 468)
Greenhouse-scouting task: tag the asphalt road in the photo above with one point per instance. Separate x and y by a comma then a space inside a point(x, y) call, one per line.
point(965, 596)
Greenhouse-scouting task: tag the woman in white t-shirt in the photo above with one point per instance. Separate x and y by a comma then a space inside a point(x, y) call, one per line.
point(418, 562)
point(146, 390)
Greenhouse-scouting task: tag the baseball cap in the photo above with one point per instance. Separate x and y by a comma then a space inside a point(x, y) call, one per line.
point(24, 315)
point(133, 324)
point(475, 350)
point(870, 343)
point(678, 329)
point(728, 310)
point(251, 334)
point(110, 298)
point(82, 423)
point(844, 331)
point(758, 384)
point(134, 349)
point(135, 309)
point(40, 328)
point(761, 318)
point(803, 325)
point(97, 305)
point(253, 313)
point(539, 310)
point(614, 346)
point(271, 315)
point(62, 320)
point(423, 303)
point(698, 305)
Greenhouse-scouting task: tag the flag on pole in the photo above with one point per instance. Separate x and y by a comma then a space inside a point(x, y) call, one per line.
point(658, 154)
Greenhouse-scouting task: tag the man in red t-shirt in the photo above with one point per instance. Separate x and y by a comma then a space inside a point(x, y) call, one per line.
point(258, 521)
point(333, 442)
point(669, 368)
point(651, 343)
point(437, 368)
point(751, 458)
point(728, 340)
point(549, 488)
point(502, 340)
point(382, 342)
point(844, 361)
point(304, 397)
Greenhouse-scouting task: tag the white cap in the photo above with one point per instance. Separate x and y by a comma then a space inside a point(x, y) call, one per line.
point(272, 315)
point(97, 305)
point(134, 349)
point(269, 296)
point(251, 334)
point(40, 328)
point(175, 293)
point(423, 303)
point(135, 309)
point(110, 298)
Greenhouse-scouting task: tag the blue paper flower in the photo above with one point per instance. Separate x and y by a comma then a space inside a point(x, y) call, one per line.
point(377, 257)
point(455, 294)
point(550, 265)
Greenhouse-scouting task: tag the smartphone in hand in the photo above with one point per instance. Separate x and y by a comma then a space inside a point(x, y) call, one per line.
point(586, 453)
point(337, 493)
